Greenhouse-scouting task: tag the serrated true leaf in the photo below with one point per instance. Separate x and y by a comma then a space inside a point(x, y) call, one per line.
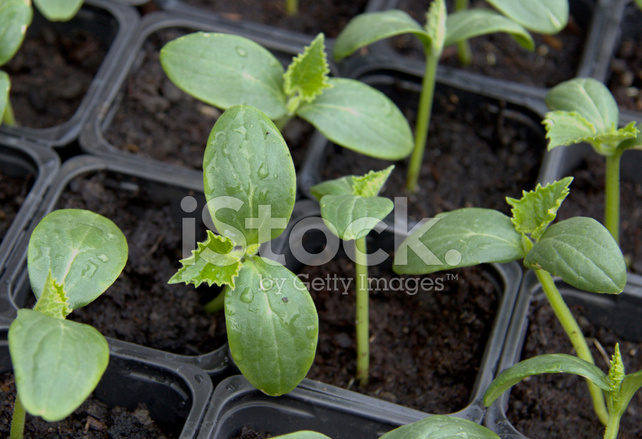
point(249, 177)
point(224, 70)
point(567, 128)
point(353, 217)
point(538, 208)
point(272, 326)
point(460, 238)
point(370, 27)
point(57, 363)
point(370, 185)
point(214, 262)
point(441, 427)
point(84, 252)
point(542, 16)
point(338, 186)
point(472, 23)
point(15, 18)
point(361, 118)
point(58, 10)
point(435, 27)
point(307, 75)
point(53, 301)
point(583, 253)
point(548, 363)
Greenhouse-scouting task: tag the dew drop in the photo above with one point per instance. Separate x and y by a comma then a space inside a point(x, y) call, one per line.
point(311, 332)
point(247, 296)
point(263, 172)
point(241, 51)
point(103, 258)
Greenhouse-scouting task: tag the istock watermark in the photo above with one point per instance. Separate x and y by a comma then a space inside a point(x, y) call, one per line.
point(268, 226)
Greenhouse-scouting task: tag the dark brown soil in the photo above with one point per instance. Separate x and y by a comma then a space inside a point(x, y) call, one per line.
point(250, 433)
point(50, 75)
point(555, 58)
point(92, 420)
point(478, 152)
point(140, 307)
point(426, 343)
point(558, 405)
point(327, 16)
point(586, 198)
point(157, 120)
point(626, 66)
point(13, 191)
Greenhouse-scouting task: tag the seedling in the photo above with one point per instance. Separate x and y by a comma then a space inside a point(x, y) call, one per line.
point(584, 110)
point(73, 257)
point(291, 7)
point(545, 17)
point(618, 387)
point(250, 185)
point(432, 427)
point(351, 208)
point(225, 70)
point(440, 31)
point(579, 250)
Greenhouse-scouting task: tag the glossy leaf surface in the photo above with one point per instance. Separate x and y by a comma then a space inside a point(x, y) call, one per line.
point(249, 177)
point(57, 363)
point(471, 23)
point(85, 252)
point(583, 253)
point(58, 10)
point(272, 326)
point(15, 18)
point(542, 16)
point(441, 427)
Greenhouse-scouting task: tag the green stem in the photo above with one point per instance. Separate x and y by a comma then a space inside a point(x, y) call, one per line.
point(612, 426)
point(463, 48)
point(423, 121)
point(18, 420)
point(8, 118)
point(216, 304)
point(612, 196)
point(362, 319)
point(291, 7)
point(565, 317)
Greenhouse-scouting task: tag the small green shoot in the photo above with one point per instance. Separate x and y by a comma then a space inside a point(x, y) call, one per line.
point(440, 30)
point(584, 110)
point(73, 257)
point(250, 185)
point(618, 387)
point(579, 250)
point(351, 208)
point(225, 70)
point(291, 7)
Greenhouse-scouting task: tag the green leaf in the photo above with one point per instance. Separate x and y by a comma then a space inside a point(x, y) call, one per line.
point(358, 117)
point(441, 427)
point(57, 363)
point(630, 385)
point(272, 326)
point(58, 10)
point(15, 18)
point(338, 186)
point(249, 177)
point(85, 252)
point(471, 23)
point(370, 184)
point(307, 75)
point(302, 435)
point(549, 363)
point(224, 70)
point(583, 253)
point(538, 208)
point(370, 27)
point(353, 217)
point(542, 16)
point(436, 19)
point(460, 238)
point(567, 128)
point(214, 262)
point(639, 3)
point(5, 85)
point(53, 302)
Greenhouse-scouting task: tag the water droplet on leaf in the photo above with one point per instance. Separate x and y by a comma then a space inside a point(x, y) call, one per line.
point(241, 51)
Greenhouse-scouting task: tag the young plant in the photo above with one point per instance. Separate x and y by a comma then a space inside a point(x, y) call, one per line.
point(291, 7)
point(225, 70)
point(618, 387)
point(432, 427)
point(579, 250)
point(351, 208)
point(250, 185)
point(545, 17)
point(584, 110)
point(440, 31)
point(73, 257)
